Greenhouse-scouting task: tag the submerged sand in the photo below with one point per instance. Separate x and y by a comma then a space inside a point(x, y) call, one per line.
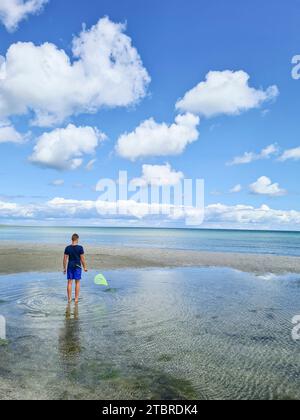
point(21, 258)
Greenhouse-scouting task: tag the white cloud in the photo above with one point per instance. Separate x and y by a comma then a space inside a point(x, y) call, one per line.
point(239, 216)
point(105, 71)
point(64, 149)
point(13, 210)
point(61, 208)
point(236, 189)
point(90, 165)
point(12, 12)
point(264, 186)
point(290, 154)
point(250, 157)
point(158, 175)
point(225, 92)
point(57, 182)
point(153, 139)
point(242, 215)
point(8, 134)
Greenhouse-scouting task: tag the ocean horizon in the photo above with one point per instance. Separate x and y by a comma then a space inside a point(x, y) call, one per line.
point(285, 243)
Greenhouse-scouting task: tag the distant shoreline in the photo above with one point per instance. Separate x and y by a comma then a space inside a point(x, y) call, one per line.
point(203, 229)
point(21, 257)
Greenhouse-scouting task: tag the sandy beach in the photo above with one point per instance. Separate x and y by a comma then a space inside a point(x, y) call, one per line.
point(21, 258)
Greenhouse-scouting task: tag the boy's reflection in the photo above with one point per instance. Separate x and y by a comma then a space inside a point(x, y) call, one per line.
point(69, 339)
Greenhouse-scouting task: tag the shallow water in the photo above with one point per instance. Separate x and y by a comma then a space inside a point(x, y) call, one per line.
point(190, 333)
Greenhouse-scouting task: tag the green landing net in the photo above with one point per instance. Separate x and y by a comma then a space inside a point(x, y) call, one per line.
point(100, 280)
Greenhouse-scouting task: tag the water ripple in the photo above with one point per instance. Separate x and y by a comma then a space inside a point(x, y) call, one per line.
point(204, 334)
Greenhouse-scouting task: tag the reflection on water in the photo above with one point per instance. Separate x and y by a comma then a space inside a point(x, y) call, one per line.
point(157, 334)
point(69, 340)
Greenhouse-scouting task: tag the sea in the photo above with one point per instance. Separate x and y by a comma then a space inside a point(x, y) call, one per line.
point(237, 241)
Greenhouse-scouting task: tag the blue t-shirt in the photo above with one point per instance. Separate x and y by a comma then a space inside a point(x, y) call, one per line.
point(74, 252)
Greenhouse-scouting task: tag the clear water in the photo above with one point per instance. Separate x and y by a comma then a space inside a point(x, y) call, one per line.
point(260, 242)
point(190, 333)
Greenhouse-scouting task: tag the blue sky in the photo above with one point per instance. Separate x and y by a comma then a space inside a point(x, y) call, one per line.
point(178, 43)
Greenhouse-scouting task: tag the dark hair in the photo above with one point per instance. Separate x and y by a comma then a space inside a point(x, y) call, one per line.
point(75, 237)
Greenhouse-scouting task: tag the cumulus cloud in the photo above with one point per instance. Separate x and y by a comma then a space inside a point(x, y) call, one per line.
point(12, 12)
point(153, 139)
point(225, 92)
point(250, 157)
point(242, 215)
point(290, 154)
point(63, 149)
point(125, 208)
point(61, 208)
point(8, 134)
point(159, 176)
point(264, 186)
point(236, 189)
point(238, 216)
point(105, 71)
point(14, 210)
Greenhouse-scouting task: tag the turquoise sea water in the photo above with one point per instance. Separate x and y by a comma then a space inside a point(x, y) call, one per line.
point(155, 334)
point(278, 243)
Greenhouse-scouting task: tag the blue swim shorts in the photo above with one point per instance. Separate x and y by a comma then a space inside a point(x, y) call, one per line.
point(74, 273)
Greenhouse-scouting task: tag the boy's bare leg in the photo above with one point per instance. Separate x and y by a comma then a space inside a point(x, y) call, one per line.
point(70, 284)
point(77, 291)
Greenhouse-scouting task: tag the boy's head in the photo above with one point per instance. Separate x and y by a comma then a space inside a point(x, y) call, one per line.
point(75, 238)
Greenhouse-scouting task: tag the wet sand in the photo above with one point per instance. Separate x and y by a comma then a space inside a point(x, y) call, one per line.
point(22, 258)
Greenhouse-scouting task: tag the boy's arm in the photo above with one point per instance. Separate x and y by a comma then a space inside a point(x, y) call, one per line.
point(83, 262)
point(65, 262)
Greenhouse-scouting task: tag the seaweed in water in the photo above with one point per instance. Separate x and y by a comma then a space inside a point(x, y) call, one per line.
point(162, 386)
point(165, 358)
point(3, 343)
